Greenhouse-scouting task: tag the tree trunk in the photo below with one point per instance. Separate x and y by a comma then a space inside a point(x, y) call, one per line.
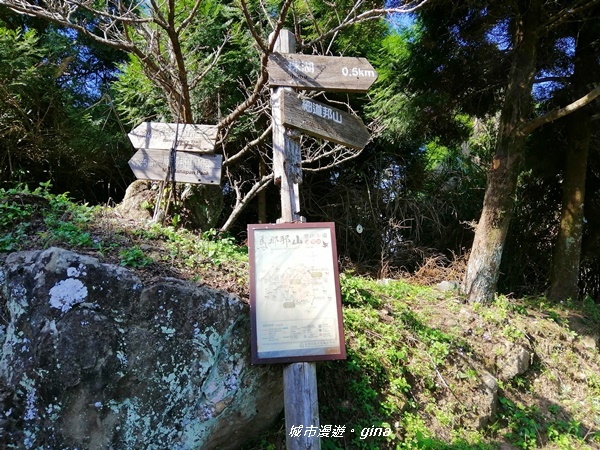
point(567, 251)
point(483, 268)
point(564, 276)
point(262, 195)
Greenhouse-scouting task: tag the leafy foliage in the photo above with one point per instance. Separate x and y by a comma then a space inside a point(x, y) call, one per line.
point(214, 89)
point(48, 130)
point(48, 219)
point(416, 190)
point(407, 373)
point(134, 257)
point(33, 219)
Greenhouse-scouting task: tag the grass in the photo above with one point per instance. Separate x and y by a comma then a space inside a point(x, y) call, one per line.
point(38, 219)
point(49, 219)
point(416, 355)
point(396, 368)
point(415, 361)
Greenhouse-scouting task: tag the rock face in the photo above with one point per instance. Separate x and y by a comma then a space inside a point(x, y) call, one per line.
point(138, 195)
point(93, 359)
point(201, 209)
point(513, 360)
point(485, 400)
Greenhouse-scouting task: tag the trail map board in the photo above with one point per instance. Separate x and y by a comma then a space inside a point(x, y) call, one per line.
point(295, 304)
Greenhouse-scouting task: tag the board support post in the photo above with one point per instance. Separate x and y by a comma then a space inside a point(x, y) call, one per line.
point(299, 379)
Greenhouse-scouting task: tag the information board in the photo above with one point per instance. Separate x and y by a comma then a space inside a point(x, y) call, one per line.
point(295, 303)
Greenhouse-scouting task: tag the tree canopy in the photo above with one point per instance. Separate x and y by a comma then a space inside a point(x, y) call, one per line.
point(481, 120)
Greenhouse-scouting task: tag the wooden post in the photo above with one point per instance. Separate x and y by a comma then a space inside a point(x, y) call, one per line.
point(287, 166)
point(299, 379)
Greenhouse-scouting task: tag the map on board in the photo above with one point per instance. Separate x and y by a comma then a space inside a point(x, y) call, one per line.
point(295, 295)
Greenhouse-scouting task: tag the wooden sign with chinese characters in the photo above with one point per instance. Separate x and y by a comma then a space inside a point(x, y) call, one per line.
point(295, 306)
point(189, 167)
point(321, 73)
point(323, 121)
point(161, 136)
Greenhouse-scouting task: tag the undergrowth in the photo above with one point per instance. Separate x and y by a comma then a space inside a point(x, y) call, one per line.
point(395, 362)
point(416, 356)
point(38, 219)
point(48, 219)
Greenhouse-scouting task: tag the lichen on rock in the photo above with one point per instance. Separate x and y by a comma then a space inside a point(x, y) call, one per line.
point(91, 358)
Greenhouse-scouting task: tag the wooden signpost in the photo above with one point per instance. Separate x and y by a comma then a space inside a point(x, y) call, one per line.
point(300, 397)
point(321, 73)
point(287, 324)
point(152, 164)
point(276, 340)
point(161, 136)
point(323, 121)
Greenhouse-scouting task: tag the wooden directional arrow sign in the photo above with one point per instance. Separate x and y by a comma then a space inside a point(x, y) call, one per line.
point(322, 121)
point(320, 73)
point(189, 167)
point(190, 137)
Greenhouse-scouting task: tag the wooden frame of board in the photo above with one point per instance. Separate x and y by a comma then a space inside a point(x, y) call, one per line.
point(295, 303)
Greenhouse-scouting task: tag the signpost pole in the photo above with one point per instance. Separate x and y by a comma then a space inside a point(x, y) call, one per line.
point(299, 379)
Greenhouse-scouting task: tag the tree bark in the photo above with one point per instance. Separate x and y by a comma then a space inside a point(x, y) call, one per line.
point(564, 277)
point(567, 251)
point(483, 268)
point(262, 195)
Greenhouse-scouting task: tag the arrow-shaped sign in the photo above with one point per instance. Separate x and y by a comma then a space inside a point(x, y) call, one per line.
point(190, 137)
point(321, 73)
point(323, 121)
point(151, 164)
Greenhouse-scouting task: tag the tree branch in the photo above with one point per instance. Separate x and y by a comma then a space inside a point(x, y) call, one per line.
point(559, 112)
point(241, 204)
point(215, 59)
point(266, 49)
point(365, 16)
point(573, 11)
point(186, 22)
point(229, 161)
point(279, 24)
point(551, 80)
point(255, 34)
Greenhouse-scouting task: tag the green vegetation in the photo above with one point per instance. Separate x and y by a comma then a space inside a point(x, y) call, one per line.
point(416, 356)
point(134, 257)
point(463, 87)
point(55, 121)
point(444, 97)
point(415, 361)
point(37, 219)
point(396, 368)
point(47, 218)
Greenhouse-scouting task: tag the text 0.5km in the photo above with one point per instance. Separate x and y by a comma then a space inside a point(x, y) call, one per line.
point(358, 72)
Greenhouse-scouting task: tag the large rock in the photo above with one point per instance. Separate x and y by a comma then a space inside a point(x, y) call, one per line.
point(138, 201)
point(93, 359)
point(200, 207)
point(485, 400)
